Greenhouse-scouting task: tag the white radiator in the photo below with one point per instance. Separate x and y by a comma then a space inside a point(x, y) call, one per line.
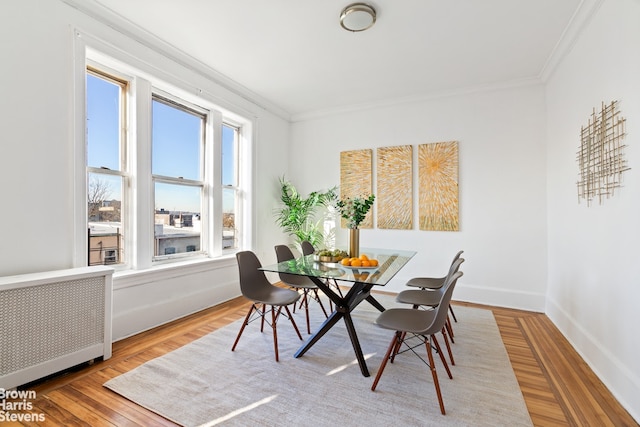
point(52, 321)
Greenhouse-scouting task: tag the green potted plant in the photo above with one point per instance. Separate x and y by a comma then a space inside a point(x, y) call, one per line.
point(354, 210)
point(297, 215)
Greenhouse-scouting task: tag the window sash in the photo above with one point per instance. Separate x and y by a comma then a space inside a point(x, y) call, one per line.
point(230, 187)
point(108, 230)
point(172, 238)
point(180, 113)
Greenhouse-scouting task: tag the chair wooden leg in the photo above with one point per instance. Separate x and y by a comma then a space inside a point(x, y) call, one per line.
point(396, 350)
point(449, 327)
point(244, 324)
point(335, 285)
point(293, 322)
point(434, 374)
point(302, 300)
point(439, 350)
point(446, 342)
point(305, 303)
point(320, 303)
point(264, 310)
point(274, 319)
point(275, 315)
point(392, 346)
point(338, 288)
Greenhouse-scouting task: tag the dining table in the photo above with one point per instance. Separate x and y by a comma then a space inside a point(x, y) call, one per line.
point(359, 280)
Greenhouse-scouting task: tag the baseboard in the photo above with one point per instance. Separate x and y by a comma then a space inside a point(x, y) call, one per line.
point(620, 379)
point(500, 297)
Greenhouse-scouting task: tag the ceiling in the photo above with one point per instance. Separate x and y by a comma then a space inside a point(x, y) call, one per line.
point(295, 55)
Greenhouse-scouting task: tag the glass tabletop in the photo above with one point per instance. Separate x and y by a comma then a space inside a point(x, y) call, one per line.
point(390, 261)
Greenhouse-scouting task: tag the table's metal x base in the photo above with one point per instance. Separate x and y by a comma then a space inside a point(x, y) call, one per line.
point(344, 305)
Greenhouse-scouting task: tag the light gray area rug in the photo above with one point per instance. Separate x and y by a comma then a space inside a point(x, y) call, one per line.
point(205, 384)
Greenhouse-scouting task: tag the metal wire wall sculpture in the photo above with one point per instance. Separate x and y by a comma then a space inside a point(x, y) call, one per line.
point(601, 154)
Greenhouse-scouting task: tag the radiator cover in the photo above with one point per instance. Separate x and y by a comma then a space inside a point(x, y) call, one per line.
point(52, 321)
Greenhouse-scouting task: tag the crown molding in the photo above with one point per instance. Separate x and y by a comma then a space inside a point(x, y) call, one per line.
point(578, 22)
point(413, 99)
point(130, 30)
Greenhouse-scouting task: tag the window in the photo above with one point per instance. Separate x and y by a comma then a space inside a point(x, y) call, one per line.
point(177, 167)
point(230, 196)
point(164, 170)
point(106, 178)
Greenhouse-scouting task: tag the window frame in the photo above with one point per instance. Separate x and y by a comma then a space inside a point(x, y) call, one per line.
point(237, 210)
point(121, 80)
point(172, 101)
point(143, 80)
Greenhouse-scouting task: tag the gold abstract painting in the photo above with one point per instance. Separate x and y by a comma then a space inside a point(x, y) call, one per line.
point(394, 191)
point(438, 186)
point(356, 179)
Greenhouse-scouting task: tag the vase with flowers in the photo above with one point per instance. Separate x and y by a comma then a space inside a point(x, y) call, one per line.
point(354, 210)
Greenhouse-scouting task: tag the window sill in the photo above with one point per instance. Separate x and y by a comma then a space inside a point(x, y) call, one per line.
point(130, 278)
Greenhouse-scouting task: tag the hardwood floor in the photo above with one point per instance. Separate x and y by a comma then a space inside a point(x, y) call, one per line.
point(558, 387)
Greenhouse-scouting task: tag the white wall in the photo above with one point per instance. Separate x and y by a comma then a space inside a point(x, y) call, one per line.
point(36, 165)
point(502, 184)
point(593, 263)
point(517, 172)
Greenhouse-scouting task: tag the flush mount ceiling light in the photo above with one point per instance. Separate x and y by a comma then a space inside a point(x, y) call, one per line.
point(357, 17)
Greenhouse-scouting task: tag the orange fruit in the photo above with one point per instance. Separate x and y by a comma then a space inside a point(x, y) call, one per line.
point(345, 261)
point(363, 257)
point(366, 263)
point(373, 262)
point(356, 263)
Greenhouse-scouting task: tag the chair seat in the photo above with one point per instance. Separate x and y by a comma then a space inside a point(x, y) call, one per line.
point(274, 296)
point(436, 282)
point(427, 282)
point(419, 297)
point(408, 320)
point(302, 284)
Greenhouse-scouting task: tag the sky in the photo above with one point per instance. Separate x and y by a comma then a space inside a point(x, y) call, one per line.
point(176, 144)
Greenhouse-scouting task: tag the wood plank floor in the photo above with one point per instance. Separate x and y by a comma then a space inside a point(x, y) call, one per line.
point(558, 387)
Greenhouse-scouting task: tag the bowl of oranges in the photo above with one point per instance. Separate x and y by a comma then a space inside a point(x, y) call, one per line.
point(363, 261)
